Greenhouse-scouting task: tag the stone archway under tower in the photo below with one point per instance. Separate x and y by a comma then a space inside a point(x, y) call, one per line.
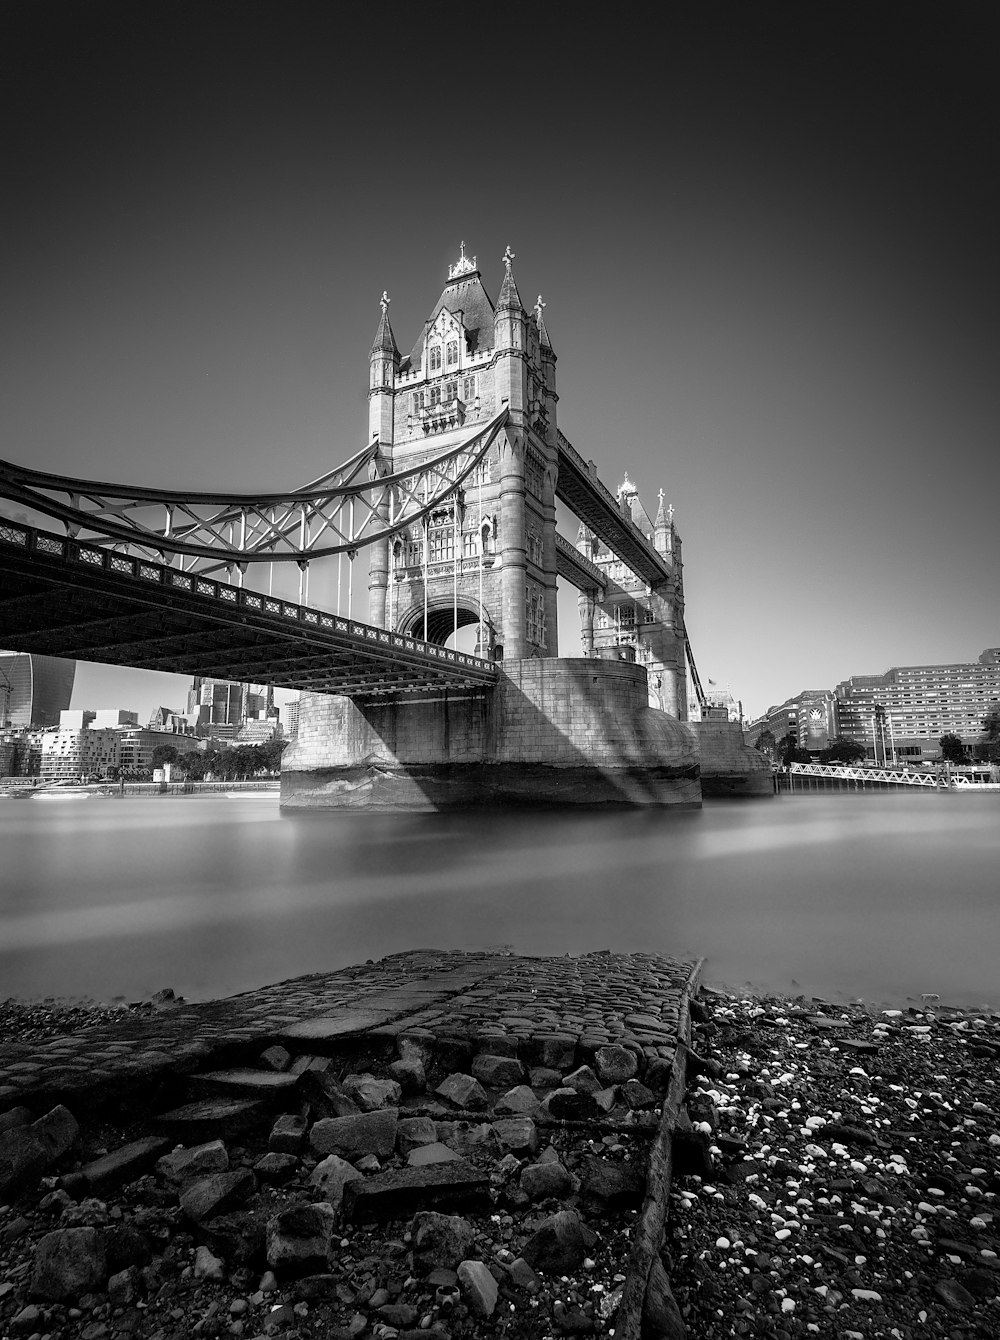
point(446, 622)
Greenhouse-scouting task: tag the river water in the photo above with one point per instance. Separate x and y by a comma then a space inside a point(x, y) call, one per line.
point(847, 895)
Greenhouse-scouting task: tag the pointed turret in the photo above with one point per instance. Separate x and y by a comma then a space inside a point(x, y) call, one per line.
point(543, 334)
point(661, 528)
point(385, 341)
point(509, 299)
point(383, 361)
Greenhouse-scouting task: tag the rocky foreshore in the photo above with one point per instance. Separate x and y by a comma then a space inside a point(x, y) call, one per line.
point(854, 1173)
point(835, 1173)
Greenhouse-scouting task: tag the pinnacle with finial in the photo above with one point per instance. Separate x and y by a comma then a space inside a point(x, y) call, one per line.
point(384, 302)
point(508, 257)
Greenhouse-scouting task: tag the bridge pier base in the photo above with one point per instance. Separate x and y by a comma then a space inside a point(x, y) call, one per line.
point(560, 732)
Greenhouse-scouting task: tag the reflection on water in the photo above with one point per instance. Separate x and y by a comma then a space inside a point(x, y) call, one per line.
point(841, 895)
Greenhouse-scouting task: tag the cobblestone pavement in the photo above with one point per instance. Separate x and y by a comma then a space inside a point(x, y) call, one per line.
point(629, 998)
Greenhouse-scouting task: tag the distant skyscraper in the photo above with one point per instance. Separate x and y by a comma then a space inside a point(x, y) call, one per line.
point(34, 689)
point(215, 704)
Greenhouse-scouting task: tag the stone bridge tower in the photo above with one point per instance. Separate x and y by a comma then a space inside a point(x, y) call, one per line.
point(489, 558)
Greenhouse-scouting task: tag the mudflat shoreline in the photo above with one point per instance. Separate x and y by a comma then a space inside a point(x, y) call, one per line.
point(828, 1170)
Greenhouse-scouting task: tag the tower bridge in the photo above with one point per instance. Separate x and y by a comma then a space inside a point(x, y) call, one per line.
point(449, 512)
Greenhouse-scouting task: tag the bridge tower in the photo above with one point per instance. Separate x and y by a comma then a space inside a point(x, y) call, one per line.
point(488, 557)
point(640, 621)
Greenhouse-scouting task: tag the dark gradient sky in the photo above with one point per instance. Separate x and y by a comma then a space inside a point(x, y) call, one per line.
point(767, 237)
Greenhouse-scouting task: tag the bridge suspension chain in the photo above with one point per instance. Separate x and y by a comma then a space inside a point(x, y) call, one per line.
point(339, 513)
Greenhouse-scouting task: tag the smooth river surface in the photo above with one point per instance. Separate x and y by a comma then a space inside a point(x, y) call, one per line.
point(845, 895)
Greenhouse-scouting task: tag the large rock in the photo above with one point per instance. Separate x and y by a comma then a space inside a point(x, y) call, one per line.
point(398, 1193)
point(409, 1073)
point(516, 1102)
point(498, 1072)
point(615, 1064)
point(570, 1105)
point(350, 1137)
point(618, 1185)
point(68, 1263)
point(23, 1159)
point(413, 1132)
point(433, 1153)
point(479, 1288)
point(518, 1134)
point(372, 1094)
point(123, 1165)
point(288, 1134)
point(469, 1140)
point(329, 1178)
point(298, 1240)
point(463, 1091)
point(539, 1181)
point(183, 1165)
point(583, 1080)
point(57, 1131)
point(209, 1196)
point(559, 1244)
point(441, 1240)
point(326, 1097)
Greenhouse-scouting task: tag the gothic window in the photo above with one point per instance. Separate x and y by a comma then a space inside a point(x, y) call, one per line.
point(452, 352)
point(534, 548)
point(481, 474)
point(648, 616)
point(470, 544)
point(418, 402)
point(435, 394)
point(442, 543)
point(451, 390)
point(435, 361)
point(533, 476)
point(468, 388)
point(626, 616)
point(535, 613)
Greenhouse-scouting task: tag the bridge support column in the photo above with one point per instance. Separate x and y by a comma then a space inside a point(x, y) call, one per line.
point(585, 603)
point(553, 732)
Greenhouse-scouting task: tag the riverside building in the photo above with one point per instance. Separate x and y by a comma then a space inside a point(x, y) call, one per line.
point(899, 715)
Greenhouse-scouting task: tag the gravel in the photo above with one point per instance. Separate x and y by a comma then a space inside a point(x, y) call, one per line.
point(856, 1174)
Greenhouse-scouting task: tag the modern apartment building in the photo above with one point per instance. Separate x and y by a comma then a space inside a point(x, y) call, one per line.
point(71, 754)
point(900, 715)
point(912, 706)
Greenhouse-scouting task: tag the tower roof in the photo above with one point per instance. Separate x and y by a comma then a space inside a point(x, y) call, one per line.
point(464, 296)
point(509, 298)
point(385, 341)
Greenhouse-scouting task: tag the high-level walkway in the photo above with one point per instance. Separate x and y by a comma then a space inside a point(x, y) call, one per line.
point(634, 999)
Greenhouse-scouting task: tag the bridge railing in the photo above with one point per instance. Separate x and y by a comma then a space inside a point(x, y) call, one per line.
point(57, 548)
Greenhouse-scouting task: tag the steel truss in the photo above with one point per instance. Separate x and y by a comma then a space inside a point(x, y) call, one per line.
point(348, 509)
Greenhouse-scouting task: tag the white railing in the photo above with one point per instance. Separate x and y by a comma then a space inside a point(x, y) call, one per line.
point(892, 776)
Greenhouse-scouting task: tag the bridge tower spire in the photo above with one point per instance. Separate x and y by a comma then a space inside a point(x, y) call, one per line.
point(383, 361)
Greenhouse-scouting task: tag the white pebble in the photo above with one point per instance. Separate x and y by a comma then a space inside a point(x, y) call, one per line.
point(866, 1295)
point(788, 1305)
point(723, 1243)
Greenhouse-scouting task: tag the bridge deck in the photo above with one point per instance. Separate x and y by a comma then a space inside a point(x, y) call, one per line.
point(61, 597)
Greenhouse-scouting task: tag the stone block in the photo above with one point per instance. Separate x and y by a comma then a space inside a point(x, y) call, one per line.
point(215, 1194)
point(288, 1134)
point(412, 1132)
point(539, 1181)
point(23, 1159)
point(183, 1165)
point(366, 1133)
point(123, 1165)
point(328, 1179)
point(518, 1134)
point(274, 1169)
point(372, 1094)
point(559, 1244)
point(498, 1072)
point(479, 1288)
point(57, 1130)
point(516, 1102)
point(298, 1240)
point(211, 1118)
point(398, 1194)
point(426, 1154)
point(464, 1091)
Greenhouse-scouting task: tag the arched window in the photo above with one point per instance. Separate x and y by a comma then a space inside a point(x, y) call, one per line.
point(436, 391)
point(452, 352)
point(451, 390)
point(468, 388)
point(435, 363)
